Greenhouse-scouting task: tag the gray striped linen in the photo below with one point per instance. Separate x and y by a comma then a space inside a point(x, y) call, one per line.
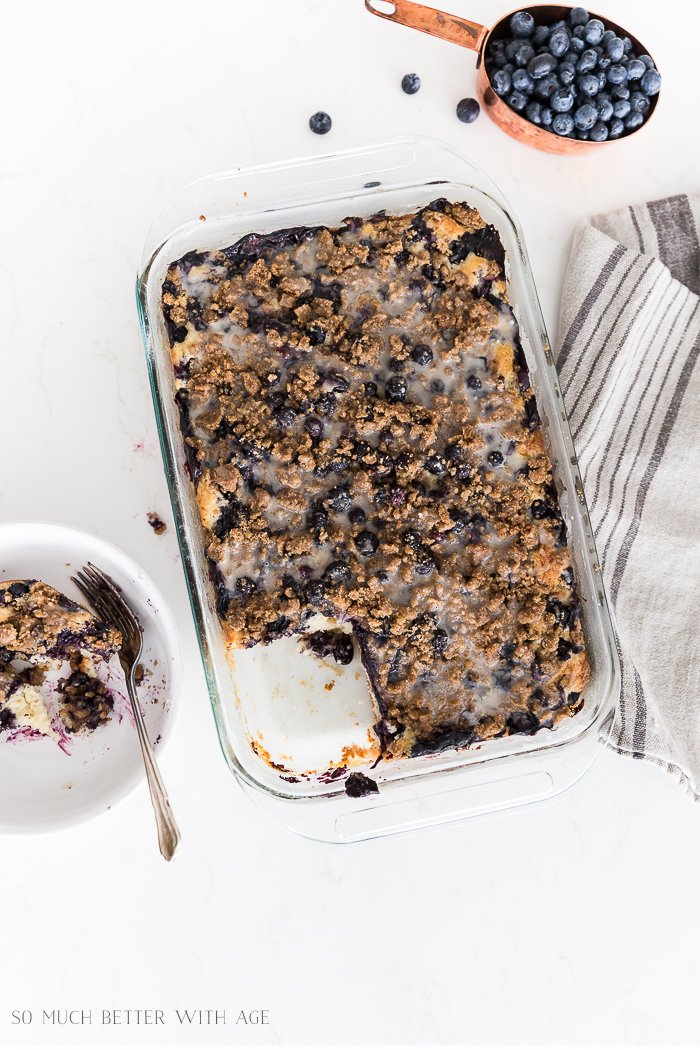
point(629, 339)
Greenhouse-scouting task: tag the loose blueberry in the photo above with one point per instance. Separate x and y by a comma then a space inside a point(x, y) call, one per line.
point(651, 82)
point(577, 46)
point(589, 85)
point(320, 123)
point(366, 543)
point(546, 117)
point(619, 91)
point(566, 73)
point(633, 120)
point(587, 61)
point(616, 128)
point(605, 109)
point(599, 132)
point(546, 87)
point(421, 354)
point(468, 109)
point(639, 102)
point(522, 81)
point(410, 83)
point(523, 53)
point(622, 108)
point(559, 43)
point(522, 24)
point(585, 117)
point(562, 100)
point(540, 66)
point(533, 112)
point(541, 35)
point(501, 82)
point(616, 74)
point(396, 389)
point(313, 427)
point(579, 16)
point(517, 101)
point(615, 49)
point(593, 33)
point(495, 458)
point(647, 60)
point(635, 69)
point(563, 124)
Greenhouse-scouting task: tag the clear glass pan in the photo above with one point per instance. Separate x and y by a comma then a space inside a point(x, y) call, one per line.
point(275, 697)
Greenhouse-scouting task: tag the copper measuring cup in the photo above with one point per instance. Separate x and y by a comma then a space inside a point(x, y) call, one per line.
point(477, 38)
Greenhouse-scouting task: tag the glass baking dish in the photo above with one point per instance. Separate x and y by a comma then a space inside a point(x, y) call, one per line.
point(284, 729)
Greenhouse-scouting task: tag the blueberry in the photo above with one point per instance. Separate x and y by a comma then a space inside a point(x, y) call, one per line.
point(340, 499)
point(180, 334)
point(607, 35)
point(546, 117)
point(601, 76)
point(622, 108)
point(647, 60)
point(546, 87)
point(396, 389)
point(619, 91)
point(357, 516)
point(615, 49)
point(578, 16)
point(616, 128)
point(426, 564)
point(343, 651)
point(562, 100)
point(566, 73)
point(634, 120)
point(244, 587)
point(468, 109)
point(533, 112)
point(495, 458)
point(18, 589)
point(540, 66)
point(339, 464)
point(616, 74)
point(410, 83)
point(522, 81)
point(370, 390)
point(326, 404)
point(421, 354)
point(436, 464)
point(523, 53)
point(510, 50)
point(522, 24)
point(627, 44)
point(541, 35)
point(577, 46)
point(635, 69)
point(599, 132)
point(460, 522)
point(589, 85)
point(559, 43)
point(320, 123)
point(651, 82)
point(501, 82)
point(337, 572)
point(563, 123)
point(285, 418)
point(593, 33)
point(587, 61)
point(437, 386)
point(384, 465)
point(517, 101)
point(439, 640)
point(582, 135)
point(639, 102)
point(454, 453)
point(313, 427)
point(538, 509)
point(318, 519)
point(585, 117)
point(604, 63)
point(366, 543)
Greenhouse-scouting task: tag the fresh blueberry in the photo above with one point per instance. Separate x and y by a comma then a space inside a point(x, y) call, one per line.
point(627, 44)
point(313, 427)
point(616, 128)
point(585, 117)
point(634, 120)
point(647, 60)
point(607, 35)
point(468, 109)
point(651, 82)
point(562, 100)
point(517, 101)
point(495, 458)
point(546, 87)
point(522, 54)
point(396, 389)
point(579, 16)
point(622, 108)
point(436, 464)
point(285, 418)
point(578, 32)
point(593, 33)
point(533, 112)
point(599, 132)
point(320, 123)
point(522, 81)
point(616, 74)
point(510, 50)
point(563, 123)
point(357, 516)
point(582, 135)
point(615, 49)
point(635, 69)
point(639, 102)
point(546, 117)
point(410, 83)
point(559, 43)
point(577, 46)
point(566, 73)
point(501, 82)
point(366, 543)
point(522, 24)
point(589, 85)
point(587, 61)
point(619, 91)
point(421, 354)
point(604, 63)
point(601, 76)
point(541, 35)
point(540, 66)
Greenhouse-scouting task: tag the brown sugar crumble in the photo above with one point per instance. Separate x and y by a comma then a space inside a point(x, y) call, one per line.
point(157, 524)
point(365, 443)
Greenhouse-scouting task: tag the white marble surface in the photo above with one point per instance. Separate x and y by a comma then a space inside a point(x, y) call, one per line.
point(577, 923)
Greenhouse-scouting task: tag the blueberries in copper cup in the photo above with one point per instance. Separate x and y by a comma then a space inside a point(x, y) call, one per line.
point(572, 77)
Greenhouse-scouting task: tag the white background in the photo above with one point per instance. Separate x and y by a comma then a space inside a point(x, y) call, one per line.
point(576, 923)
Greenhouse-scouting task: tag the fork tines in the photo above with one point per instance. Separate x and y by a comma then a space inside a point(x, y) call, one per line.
point(106, 600)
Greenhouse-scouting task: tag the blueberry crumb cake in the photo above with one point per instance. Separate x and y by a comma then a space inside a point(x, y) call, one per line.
point(42, 628)
point(365, 444)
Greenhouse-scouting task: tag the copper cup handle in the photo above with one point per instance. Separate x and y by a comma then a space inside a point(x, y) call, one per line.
point(435, 23)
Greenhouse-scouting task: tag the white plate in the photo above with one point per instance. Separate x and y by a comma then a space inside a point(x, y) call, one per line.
point(41, 787)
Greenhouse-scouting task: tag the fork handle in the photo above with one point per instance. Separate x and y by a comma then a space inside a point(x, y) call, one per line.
point(168, 832)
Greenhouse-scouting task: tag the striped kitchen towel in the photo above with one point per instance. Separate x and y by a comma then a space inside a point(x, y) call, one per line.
point(629, 339)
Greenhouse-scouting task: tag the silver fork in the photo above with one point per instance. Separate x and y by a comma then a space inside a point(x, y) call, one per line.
point(114, 611)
